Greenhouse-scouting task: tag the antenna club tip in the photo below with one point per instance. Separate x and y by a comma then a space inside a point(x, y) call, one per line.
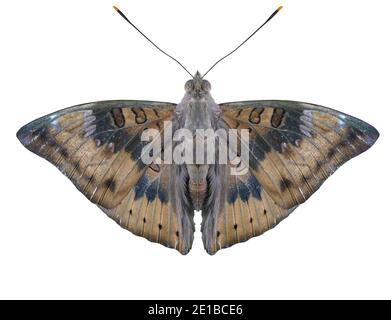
point(115, 8)
point(279, 8)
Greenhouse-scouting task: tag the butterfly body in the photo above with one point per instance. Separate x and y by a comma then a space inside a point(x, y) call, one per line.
point(293, 148)
point(197, 111)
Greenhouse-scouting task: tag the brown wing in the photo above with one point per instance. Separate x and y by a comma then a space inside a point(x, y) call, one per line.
point(294, 147)
point(237, 209)
point(158, 209)
point(98, 147)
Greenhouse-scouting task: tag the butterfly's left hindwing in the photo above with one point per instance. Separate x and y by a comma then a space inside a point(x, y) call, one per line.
point(294, 147)
point(98, 147)
point(237, 208)
point(158, 209)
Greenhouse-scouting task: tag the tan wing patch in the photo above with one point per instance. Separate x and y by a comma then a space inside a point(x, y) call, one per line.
point(154, 210)
point(244, 211)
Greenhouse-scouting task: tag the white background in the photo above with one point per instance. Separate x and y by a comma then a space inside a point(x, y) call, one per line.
point(54, 54)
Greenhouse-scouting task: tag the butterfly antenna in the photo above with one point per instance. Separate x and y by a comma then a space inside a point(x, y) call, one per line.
point(128, 21)
point(227, 55)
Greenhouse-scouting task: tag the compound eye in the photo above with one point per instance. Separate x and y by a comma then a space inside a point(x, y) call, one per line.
point(189, 85)
point(206, 85)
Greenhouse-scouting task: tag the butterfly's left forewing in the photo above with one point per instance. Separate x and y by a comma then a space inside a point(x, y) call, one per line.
point(293, 148)
point(98, 147)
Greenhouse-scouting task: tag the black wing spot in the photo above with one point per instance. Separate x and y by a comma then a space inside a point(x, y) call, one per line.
point(64, 152)
point(160, 226)
point(144, 220)
point(218, 234)
point(235, 226)
point(251, 220)
point(110, 184)
point(285, 184)
point(264, 211)
point(331, 153)
point(177, 233)
point(130, 212)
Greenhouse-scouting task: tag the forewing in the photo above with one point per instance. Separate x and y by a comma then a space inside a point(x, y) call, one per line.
point(97, 145)
point(294, 146)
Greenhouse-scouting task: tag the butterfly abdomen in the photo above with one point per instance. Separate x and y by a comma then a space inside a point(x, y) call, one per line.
point(197, 194)
point(197, 184)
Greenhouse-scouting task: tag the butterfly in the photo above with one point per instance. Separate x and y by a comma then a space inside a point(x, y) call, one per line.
point(293, 148)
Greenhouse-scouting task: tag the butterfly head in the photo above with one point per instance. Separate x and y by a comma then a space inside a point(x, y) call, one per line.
point(197, 87)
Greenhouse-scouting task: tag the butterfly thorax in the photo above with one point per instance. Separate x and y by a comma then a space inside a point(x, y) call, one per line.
point(197, 111)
